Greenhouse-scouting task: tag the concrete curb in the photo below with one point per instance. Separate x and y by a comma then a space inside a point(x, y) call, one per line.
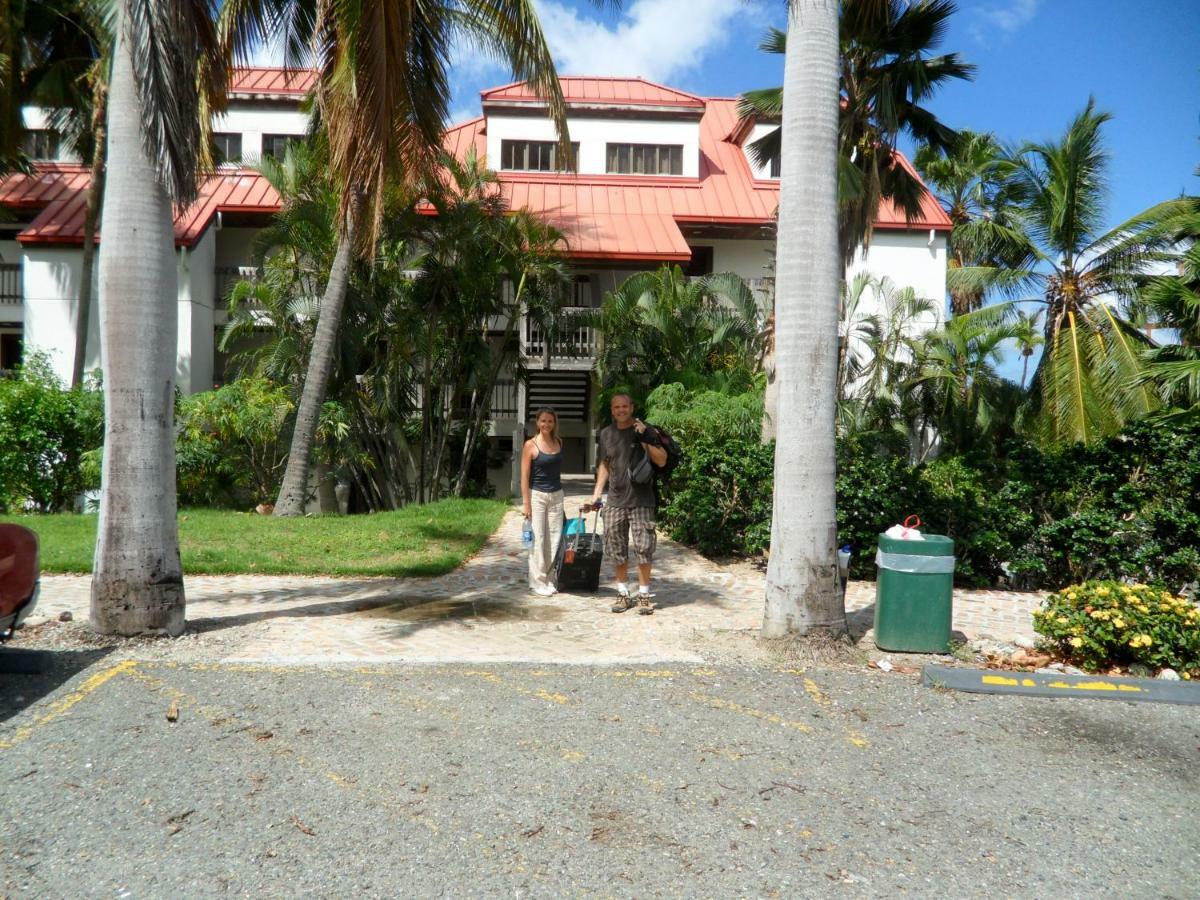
point(1087, 687)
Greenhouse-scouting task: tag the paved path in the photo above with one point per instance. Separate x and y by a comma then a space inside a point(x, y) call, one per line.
point(484, 612)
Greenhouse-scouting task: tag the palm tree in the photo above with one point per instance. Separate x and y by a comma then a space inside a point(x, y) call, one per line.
point(660, 327)
point(802, 591)
point(969, 181)
point(383, 96)
point(1028, 336)
point(1172, 301)
point(1087, 382)
point(166, 66)
point(957, 364)
point(886, 74)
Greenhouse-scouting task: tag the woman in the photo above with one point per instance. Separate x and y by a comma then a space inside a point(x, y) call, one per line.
point(541, 490)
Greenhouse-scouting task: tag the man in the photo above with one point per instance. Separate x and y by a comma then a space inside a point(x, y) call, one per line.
point(629, 512)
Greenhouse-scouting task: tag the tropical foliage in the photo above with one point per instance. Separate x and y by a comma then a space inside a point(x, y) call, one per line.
point(1088, 382)
point(420, 353)
point(661, 327)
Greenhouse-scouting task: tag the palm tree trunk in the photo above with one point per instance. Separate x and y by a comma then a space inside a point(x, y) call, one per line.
point(90, 217)
point(1024, 370)
point(802, 582)
point(294, 491)
point(138, 582)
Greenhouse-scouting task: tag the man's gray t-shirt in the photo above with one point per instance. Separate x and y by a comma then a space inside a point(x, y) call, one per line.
point(616, 450)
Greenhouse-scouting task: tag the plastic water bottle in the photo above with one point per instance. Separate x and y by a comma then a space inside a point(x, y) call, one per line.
point(527, 535)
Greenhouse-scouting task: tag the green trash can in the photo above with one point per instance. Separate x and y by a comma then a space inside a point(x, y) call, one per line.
point(914, 594)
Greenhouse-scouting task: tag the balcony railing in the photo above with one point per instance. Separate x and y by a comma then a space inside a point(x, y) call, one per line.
point(225, 277)
point(504, 400)
point(11, 293)
point(577, 342)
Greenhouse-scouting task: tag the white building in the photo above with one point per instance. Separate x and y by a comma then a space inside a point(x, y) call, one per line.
point(662, 177)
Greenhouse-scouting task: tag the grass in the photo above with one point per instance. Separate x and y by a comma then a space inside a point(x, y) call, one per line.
point(419, 540)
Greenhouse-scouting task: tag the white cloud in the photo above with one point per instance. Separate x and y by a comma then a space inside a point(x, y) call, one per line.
point(1002, 19)
point(657, 39)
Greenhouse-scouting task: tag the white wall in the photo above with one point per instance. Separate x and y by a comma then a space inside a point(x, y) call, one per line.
point(234, 245)
point(194, 359)
point(909, 259)
point(592, 136)
point(746, 258)
point(51, 277)
point(255, 121)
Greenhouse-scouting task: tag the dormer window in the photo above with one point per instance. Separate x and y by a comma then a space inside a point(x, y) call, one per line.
point(533, 156)
point(228, 146)
point(40, 144)
point(776, 166)
point(644, 159)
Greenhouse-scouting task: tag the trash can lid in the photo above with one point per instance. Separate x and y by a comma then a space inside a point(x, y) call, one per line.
point(932, 545)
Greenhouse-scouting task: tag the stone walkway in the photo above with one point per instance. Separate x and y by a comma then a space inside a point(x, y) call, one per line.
point(484, 612)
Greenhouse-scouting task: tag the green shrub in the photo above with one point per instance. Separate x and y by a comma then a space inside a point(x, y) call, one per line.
point(693, 416)
point(45, 430)
point(720, 498)
point(1100, 624)
point(232, 444)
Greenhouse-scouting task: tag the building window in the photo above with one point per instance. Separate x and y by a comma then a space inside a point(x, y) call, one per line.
point(644, 159)
point(10, 350)
point(40, 143)
point(533, 156)
point(228, 147)
point(776, 164)
point(701, 262)
point(275, 145)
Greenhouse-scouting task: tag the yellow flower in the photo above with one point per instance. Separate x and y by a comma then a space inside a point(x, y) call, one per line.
point(1119, 622)
point(1187, 676)
point(1076, 642)
point(1061, 620)
point(1071, 595)
point(1102, 592)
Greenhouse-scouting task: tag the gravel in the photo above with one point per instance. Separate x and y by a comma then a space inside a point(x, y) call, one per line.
point(727, 780)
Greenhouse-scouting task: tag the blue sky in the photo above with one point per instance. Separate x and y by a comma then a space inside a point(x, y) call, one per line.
point(1038, 61)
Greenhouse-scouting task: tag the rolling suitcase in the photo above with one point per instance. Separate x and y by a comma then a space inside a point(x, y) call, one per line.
point(580, 553)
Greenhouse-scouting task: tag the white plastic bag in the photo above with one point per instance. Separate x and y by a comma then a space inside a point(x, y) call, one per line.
point(909, 531)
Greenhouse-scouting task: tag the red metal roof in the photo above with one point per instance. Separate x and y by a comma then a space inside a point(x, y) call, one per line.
point(601, 91)
point(60, 192)
point(602, 216)
point(270, 82)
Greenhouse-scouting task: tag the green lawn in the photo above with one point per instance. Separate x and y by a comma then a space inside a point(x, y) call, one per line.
point(420, 540)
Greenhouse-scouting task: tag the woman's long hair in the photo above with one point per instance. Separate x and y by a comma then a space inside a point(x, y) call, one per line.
point(547, 411)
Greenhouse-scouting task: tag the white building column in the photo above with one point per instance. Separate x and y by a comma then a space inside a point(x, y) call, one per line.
point(197, 334)
point(51, 282)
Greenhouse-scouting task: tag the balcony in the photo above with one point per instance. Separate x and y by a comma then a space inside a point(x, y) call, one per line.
point(574, 348)
point(11, 293)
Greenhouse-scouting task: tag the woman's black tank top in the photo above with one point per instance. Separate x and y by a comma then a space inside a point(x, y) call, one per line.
point(545, 474)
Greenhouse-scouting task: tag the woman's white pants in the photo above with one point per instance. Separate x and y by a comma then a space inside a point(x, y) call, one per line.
point(547, 534)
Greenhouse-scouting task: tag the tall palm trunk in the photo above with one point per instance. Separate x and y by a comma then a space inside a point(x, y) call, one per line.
point(138, 581)
point(90, 217)
point(294, 491)
point(802, 590)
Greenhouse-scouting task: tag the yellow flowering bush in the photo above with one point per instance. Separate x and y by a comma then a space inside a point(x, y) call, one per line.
point(1100, 624)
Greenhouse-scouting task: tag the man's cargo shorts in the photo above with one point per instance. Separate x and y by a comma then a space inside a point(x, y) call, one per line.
point(623, 527)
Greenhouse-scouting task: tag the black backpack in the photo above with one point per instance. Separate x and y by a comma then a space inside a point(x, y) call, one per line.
point(674, 454)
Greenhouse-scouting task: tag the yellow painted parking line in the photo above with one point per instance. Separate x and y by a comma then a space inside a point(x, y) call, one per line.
point(853, 737)
point(61, 707)
point(773, 718)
